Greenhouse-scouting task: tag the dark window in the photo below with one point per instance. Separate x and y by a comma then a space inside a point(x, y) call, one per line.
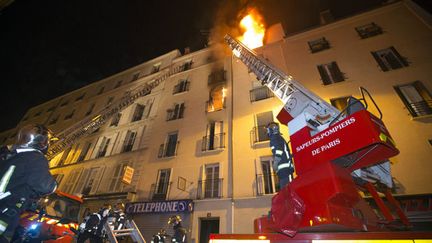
point(138, 113)
point(182, 86)
point(318, 45)
point(101, 90)
point(214, 138)
point(90, 110)
point(84, 152)
point(389, 59)
point(368, 30)
point(169, 148)
point(330, 73)
point(162, 186)
point(80, 97)
point(54, 120)
point(64, 103)
point(118, 84)
point(103, 147)
point(217, 77)
point(51, 109)
point(70, 115)
point(176, 112)
point(187, 65)
point(129, 141)
point(416, 98)
point(38, 113)
point(115, 120)
point(135, 77)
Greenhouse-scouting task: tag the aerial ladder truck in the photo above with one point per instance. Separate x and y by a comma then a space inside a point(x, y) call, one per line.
point(335, 154)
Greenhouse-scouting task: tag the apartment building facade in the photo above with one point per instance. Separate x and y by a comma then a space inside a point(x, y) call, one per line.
point(196, 146)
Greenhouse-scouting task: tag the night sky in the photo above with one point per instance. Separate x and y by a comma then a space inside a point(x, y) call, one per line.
point(51, 47)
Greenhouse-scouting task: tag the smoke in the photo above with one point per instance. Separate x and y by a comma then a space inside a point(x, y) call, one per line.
point(227, 19)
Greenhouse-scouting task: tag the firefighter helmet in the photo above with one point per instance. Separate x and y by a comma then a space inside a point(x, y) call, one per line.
point(273, 128)
point(34, 136)
point(175, 219)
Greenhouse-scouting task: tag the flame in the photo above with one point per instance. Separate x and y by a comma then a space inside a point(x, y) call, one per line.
point(254, 29)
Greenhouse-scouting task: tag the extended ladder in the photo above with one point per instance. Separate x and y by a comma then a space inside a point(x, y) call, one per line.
point(129, 229)
point(296, 98)
point(88, 125)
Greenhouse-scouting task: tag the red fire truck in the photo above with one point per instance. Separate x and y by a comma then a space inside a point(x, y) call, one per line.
point(335, 154)
point(54, 219)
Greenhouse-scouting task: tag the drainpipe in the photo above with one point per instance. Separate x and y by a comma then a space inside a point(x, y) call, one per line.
point(230, 145)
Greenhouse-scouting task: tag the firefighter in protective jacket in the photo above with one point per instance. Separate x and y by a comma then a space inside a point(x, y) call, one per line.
point(25, 177)
point(179, 230)
point(282, 159)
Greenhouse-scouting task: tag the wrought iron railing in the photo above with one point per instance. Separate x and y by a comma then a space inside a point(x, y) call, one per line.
point(259, 134)
point(421, 108)
point(266, 184)
point(168, 150)
point(260, 93)
point(213, 142)
point(160, 191)
point(211, 188)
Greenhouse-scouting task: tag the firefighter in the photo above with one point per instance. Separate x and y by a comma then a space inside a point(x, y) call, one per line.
point(118, 215)
point(179, 231)
point(91, 228)
point(25, 177)
point(159, 237)
point(282, 159)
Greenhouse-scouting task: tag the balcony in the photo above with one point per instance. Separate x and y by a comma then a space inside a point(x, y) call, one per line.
point(168, 150)
point(213, 142)
point(211, 188)
point(266, 184)
point(259, 134)
point(420, 109)
point(160, 191)
point(260, 93)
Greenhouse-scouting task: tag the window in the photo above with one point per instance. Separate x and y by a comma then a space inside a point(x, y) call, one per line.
point(101, 90)
point(211, 183)
point(54, 120)
point(416, 98)
point(176, 112)
point(71, 179)
point(169, 148)
point(64, 156)
point(80, 97)
point(214, 138)
point(64, 103)
point(138, 113)
point(182, 86)
point(389, 59)
point(330, 73)
point(52, 108)
point(187, 65)
point(217, 77)
point(318, 45)
point(129, 141)
point(368, 30)
point(259, 92)
point(70, 115)
point(267, 182)
point(260, 131)
point(135, 77)
point(38, 113)
point(88, 181)
point(90, 110)
point(118, 84)
point(162, 185)
point(103, 147)
point(115, 120)
point(115, 184)
point(84, 152)
point(217, 99)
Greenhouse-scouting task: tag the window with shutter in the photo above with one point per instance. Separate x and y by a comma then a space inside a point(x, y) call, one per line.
point(389, 59)
point(416, 98)
point(330, 73)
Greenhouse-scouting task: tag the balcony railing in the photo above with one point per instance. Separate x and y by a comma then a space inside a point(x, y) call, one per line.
point(160, 191)
point(260, 93)
point(168, 150)
point(213, 142)
point(181, 87)
point(267, 184)
point(210, 188)
point(259, 134)
point(421, 108)
point(212, 106)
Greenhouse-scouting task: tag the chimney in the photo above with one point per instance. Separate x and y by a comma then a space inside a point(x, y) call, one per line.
point(326, 17)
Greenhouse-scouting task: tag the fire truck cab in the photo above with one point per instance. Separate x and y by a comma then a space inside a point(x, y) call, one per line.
point(53, 219)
